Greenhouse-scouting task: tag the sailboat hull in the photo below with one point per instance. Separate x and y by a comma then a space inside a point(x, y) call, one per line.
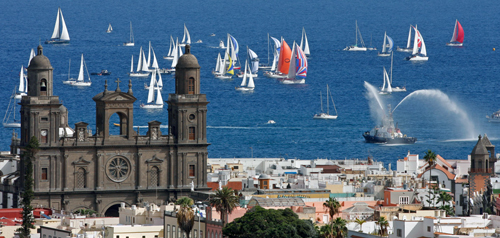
point(138, 75)
point(293, 81)
point(355, 48)
point(399, 89)
point(454, 44)
point(76, 83)
point(129, 44)
point(19, 95)
point(404, 49)
point(168, 57)
point(223, 76)
point(417, 58)
point(151, 106)
point(244, 89)
point(325, 116)
point(57, 41)
point(274, 75)
point(12, 125)
point(384, 54)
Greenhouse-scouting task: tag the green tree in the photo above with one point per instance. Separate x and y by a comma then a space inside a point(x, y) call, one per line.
point(430, 158)
point(224, 202)
point(27, 195)
point(185, 219)
point(333, 206)
point(86, 211)
point(260, 222)
point(360, 223)
point(185, 201)
point(383, 225)
point(339, 227)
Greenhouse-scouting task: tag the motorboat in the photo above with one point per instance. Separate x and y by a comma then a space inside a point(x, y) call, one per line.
point(387, 133)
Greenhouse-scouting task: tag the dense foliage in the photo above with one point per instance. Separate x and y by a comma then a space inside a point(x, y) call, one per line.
point(27, 195)
point(269, 223)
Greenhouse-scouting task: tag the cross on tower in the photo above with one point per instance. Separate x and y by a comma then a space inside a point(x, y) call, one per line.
point(117, 84)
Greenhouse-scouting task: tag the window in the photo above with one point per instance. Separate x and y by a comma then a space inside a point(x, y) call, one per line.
point(404, 200)
point(191, 133)
point(44, 119)
point(400, 233)
point(81, 178)
point(236, 167)
point(428, 228)
point(43, 87)
point(201, 234)
point(191, 86)
point(168, 231)
point(173, 232)
point(154, 177)
point(44, 173)
point(191, 170)
point(195, 233)
point(265, 182)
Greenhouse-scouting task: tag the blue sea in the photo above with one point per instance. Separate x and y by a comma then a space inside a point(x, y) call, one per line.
point(447, 123)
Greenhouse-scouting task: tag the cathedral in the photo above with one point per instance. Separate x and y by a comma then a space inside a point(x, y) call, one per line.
point(77, 169)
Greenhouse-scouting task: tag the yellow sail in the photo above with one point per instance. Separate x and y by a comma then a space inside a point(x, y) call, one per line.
point(230, 67)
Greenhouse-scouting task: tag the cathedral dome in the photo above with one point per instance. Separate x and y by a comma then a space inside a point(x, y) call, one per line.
point(187, 60)
point(40, 61)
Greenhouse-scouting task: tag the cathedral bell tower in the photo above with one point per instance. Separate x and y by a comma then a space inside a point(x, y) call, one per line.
point(187, 108)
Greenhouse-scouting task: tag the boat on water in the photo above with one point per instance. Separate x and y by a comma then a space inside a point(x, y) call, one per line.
point(177, 53)
point(387, 133)
point(157, 82)
point(419, 50)
point(80, 81)
point(395, 88)
point(221, 45)
point(276, 52)
point(171, 48)
point(213, 34)
point(142, 68)
point(495, 117)
point(186, 39)
point(110, 28)
point(253, 66)
point(154, 91)
point(281, 64)
point(60, 34)
point(103, 72)
point(458, 35)
point(246, 86)
point(386, 46)
point(131, 40)
point(23, 85)
point(9, 119)
point(408, 43)
point(199, 41)
point(355, 47)
point(297, 70)
point(386, 89)
point(326, 115)
point(271, 122)
point(225, 72)
point(304, 44)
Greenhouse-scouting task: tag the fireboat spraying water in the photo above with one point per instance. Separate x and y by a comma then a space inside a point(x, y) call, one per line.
point(387, 133)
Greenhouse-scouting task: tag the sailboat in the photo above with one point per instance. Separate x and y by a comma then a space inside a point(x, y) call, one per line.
point(395, 88)
point(177, 52)
point(282, 64)
point(141, 66)
point(221, 45)
point(131, 41)
point(326, 115)
point(297, 70)
point(218, 69)
point(386, 49)
point(170, 55)
point(80, 81)
point(386, 90)
point(151, 103)
point(154, 63)
point(267, 65)
point(23, 85)
point(408, 44)
point(250, 86)
point(60, 34)
point(254, 63)
point(9, 119)
point(276, 50)
point(110, 28)
point(356, 47)
point(158, 83)
point(228, 71)
point(419, 53)
point(186, 39)
point(304, 44)
point(458, 35)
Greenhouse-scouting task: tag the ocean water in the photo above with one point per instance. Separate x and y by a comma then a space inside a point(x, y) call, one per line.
point(468, 76)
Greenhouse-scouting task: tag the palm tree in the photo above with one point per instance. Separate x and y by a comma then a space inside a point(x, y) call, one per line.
point(184, 201)
point(360, 223)
point(383, 224)
point(430, 158)
point(340, 227)
point(185, 219)
point(224, 202)
point(332, 205)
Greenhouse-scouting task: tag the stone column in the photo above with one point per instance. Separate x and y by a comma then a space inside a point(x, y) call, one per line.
point(138, 164)
point(171, 169)
point(98, 171)
point(65, 169)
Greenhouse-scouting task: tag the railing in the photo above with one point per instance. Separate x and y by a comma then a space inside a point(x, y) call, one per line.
point(480, 170)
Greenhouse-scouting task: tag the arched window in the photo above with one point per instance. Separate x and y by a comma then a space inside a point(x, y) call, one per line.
point(43, 87)
point(154, 177)
point(191, 86)
point(81, 178)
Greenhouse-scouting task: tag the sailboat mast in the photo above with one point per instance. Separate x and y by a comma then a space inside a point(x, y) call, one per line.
point(356, 33)
point(327, 102)
point(321, 100)
point(392, 56)
point(268, 49)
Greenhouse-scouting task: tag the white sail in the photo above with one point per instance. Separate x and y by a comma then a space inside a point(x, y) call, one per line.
point(139, 61)
point(144, 62)
point(55, 33)
point(186, 39)
point(180, 51)
point(304, 44)
point(64, 32)
point(409, 39)
point(132, 64)
point(21, 80)
point(160, 80)
point(251, 84)
point(155, 62)
point(386, 78)
point(254, 61)
point(172, 44)
point(244, 81)
point(151, 87)
point(217, 65)
point(383, 85)
point(80, 74)
point(176, 55)
point(423, 49)
point(415, 42)
point(293, 58)
point(149, 55)
point(159, 99)
point(32, 54)
point(385, 42)
point(110, 28)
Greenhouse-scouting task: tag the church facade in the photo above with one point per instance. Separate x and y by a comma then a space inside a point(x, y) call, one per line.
point(77, 169)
